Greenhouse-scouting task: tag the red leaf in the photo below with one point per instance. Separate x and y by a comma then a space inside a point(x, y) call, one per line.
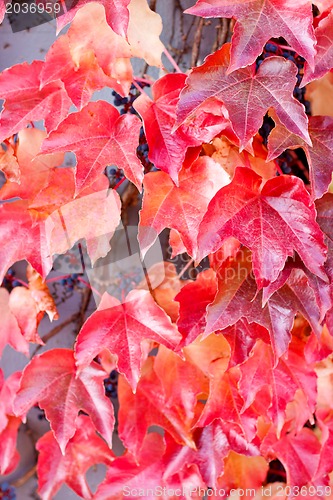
point(168, 366)
point(324, 208)
point(51, 381)
point(225, 402)
point(247, 95)
point(25, 102)
point(201, 292)
point(145, 473)
point(2, 10)
point(273, 219)
point(226, 152)
point(8, 390)
point(54, 221)
point(242, 337)
point(123, 328)
point(93, 215)
point(9, 424)
point(84, 449)
point(167, 148)
point(128, 477)
point(35, 172)
point(319, 349)
point(299, 454)
point(9, 456)
point(282, 381)
point(238, 297)
point(260, 20)
point(25, 240)
point(99, 136)
point(29, 305)
point(25, 310)
point(203, 352)
point(180, 208)
point(116, 12)
point(229, 248)
point(10, 332)
point(292, 276)
point(81, 80)
point(323, 60)
point(157, 402)
point(325, 466)
point(213, 444)
point(243, 473)
point(325, 219)
point(319, 156)
point(86, 64)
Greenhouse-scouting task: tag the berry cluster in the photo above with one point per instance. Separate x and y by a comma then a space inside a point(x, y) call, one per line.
point(7, 492)
point(70, 282)
point(72, 260)
point(126, 106)
point(114, 175)
point(10, 281)
point(111, 385)
point(142, 152)
point(126, 103)
point(41, 413)
point(123, 282)
point(63, 288)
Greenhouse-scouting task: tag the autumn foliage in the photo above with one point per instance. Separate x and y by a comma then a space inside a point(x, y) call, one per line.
point(234, 369)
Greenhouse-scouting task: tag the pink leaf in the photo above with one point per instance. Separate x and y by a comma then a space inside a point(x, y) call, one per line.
point(260, 20)
point(323, 61)
point(84, 449)
point(25, 102)
point(99, 136)
point(273, 219)
point(122, 328)
point(52, 377)
point(247, 95)
point(116, 12)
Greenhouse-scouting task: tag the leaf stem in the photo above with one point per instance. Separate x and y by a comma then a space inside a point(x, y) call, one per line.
point(171, 59)
point(247, 159)
point(65, 276)
point(137, 86)
point(23, 479)
point(58, 278)
point(22, 282)
point(119, 183)
point(278, 168)
point(143, 80)
point(282, 47)
point(89, 286)
point(57, 329)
